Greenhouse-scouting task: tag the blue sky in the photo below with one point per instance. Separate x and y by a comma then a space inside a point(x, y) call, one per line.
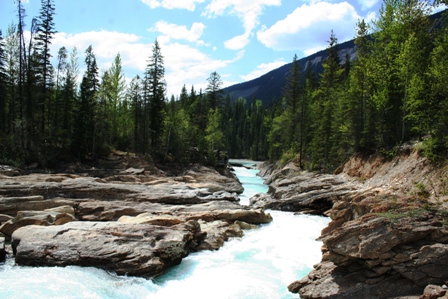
point(239, 39)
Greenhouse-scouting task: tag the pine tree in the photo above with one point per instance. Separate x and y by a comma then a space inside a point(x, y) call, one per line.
point(213, 134)
point(45, 33)
point(359, 110)
point(433, 113)
point(325, 109)
point(57, 108)
point(292, 96)
point(69, 98)
point(84, 141)
point(155, 86)
point(214, 91)
point(116, 93)
point(135, 98)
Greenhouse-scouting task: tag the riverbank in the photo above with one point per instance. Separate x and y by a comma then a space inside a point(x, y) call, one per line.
point(258, 265)
point(388, 236)
point(131, 220)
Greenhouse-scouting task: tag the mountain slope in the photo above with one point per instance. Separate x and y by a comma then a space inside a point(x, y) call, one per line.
point(269, 86)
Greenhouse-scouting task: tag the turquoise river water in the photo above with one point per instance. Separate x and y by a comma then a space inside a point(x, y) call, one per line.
point(257, 266)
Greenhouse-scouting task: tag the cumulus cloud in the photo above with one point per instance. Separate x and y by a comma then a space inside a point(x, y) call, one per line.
point(263, 69)
point(106, 45)
point(177, 32)
point(237, 42)
point(366, 4)
point(173, 4)
point(308, 27)
point(249, 13)
point(184, 64)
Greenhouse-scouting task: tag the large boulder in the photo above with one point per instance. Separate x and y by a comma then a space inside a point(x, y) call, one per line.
point(128, 249)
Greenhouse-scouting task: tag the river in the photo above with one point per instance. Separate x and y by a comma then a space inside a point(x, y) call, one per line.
point(259, 265)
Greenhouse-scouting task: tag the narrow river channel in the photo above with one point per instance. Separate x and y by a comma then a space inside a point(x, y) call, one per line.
point(259, 265)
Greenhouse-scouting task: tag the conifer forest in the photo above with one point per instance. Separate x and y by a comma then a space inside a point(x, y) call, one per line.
point(394, 91)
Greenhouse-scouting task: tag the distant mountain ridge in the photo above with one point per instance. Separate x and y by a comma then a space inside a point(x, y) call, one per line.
point(270, 85)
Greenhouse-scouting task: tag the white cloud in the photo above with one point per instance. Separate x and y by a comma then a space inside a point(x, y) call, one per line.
point(177, 32)
point(238, 42)
point(263, 69)
point(370, 16)
point(187, 65)
point(247, 11)
point(173, 4)
point(366, 4)
point(308, 27)
point(106, 45)
point(183, 64)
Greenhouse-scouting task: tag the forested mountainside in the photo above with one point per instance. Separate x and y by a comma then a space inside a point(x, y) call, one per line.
point(269, 86)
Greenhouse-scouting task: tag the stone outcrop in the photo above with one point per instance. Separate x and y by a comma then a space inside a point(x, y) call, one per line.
point(300, 191)
point(128, 249)
point(388, 237)
point(132, 221)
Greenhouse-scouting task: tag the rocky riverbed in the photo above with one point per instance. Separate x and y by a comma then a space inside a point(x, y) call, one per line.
point(129, 220)
point(388, 237)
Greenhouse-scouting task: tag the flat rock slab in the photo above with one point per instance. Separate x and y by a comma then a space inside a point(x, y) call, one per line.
point(128, 249)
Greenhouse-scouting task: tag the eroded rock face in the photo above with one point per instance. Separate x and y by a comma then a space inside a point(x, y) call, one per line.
point(382, 242)
point(291, 189)
point(133, 249)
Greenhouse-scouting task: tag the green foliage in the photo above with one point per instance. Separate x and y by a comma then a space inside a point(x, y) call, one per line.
point(394, 90)
point(213, 134)
point(396, 215)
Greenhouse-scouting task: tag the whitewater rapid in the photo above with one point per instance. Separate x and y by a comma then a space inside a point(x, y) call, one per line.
point(259, 265)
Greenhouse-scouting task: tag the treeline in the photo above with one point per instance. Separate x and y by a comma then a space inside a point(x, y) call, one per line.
point(395, 90)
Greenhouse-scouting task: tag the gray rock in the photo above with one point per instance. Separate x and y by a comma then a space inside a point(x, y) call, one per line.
point(128, 249)
point(59, 216)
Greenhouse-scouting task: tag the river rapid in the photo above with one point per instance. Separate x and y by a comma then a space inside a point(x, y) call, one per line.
point(259, 265)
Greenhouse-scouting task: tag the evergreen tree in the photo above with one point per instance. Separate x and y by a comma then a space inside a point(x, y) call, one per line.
point(213, 134)
point(433, 113)
point(325, 105)
point(155, 85)
point(214, 91)
point(359, 110)
point(69, 98)
point(292, 96)
point(57, 109)
point(86, 123)
point(45, 33)
point(135, 98)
